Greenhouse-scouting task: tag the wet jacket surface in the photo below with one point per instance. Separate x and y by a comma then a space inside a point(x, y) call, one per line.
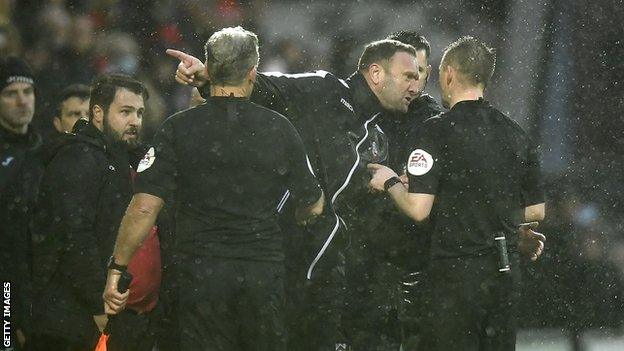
point(84, 193)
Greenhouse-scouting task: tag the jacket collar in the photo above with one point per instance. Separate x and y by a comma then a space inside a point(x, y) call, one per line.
point(470, 104)
point(89, 133)
point(30, 140)
point(365, 101)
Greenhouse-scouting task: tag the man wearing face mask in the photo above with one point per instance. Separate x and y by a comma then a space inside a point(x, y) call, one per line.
point(86, 187)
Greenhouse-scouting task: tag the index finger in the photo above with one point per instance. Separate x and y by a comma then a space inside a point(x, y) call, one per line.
point(180, 55)
point(373, 166)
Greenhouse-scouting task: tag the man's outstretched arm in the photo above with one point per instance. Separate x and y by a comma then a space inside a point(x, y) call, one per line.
point(135, 226)
point(274, 90)
point(416, 206)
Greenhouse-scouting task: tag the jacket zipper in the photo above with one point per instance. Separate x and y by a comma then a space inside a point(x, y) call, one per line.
point(340, 190)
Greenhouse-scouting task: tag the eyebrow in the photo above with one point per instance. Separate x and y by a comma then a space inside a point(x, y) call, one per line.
point(131, 107)
point(410, 73)
point(14, 90)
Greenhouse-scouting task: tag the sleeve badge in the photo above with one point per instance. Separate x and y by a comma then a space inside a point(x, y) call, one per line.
point(419, 162)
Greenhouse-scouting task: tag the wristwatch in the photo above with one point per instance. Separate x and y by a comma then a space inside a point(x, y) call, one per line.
point(391, 182)
point(112, 265)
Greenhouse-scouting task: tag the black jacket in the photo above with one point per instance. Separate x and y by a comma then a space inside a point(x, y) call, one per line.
point(386, 244)
point(337, 121)
point(402, 129)
point(404, 241)
point(20, 171)
point(84, 193)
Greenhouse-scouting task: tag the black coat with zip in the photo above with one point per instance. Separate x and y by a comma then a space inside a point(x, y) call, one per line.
point(85, 190)
point(337, 121)
point(20, 171)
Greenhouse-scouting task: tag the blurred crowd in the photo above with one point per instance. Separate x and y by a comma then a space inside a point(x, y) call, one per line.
point(69, 42)
point(578, 283)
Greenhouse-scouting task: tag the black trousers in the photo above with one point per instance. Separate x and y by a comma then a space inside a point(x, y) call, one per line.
point(129, 331)
point(372, 311)
point(314, 306)
point(314, 310)
point(231, 305)
point(41, 342)
point(472, 305)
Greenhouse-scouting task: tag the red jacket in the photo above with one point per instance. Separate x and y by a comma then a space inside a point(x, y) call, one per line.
point(146, 272)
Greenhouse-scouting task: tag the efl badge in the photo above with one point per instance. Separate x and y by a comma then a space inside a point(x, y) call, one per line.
point(147, 160)
point(420, 162)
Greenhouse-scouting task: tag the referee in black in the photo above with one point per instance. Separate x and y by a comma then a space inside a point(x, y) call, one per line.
point(228, 164)
point(475, 174)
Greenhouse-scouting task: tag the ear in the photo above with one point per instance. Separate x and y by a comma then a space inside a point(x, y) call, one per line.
point(207, 71)
point(376, 73)
point(252, 74)
point(98, 116)
point(57, 124)
point(428, 71)
point(450, 75)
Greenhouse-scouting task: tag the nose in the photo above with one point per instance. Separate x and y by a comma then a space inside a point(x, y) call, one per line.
point(135, 120)
point(413, 87)
point(21, 98)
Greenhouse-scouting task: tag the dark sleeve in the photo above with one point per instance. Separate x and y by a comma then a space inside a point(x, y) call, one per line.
point(424, 163)
point(16, 204)
point(280, 92)
point(156, 173)
point(74, 180)
point(300, 178)
point(532, 182)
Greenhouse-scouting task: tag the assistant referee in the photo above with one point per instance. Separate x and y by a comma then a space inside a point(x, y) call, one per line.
point(228, 163)
point(476, 174)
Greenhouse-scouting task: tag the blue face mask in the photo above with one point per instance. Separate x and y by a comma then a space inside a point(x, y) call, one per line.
point(128, 64)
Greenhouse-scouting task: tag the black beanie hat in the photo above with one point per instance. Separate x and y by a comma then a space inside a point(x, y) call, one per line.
point(12, 70)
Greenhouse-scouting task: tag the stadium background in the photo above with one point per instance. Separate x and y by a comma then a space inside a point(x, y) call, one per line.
point(559, 74)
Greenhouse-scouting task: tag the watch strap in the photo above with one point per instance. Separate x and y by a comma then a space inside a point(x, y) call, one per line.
point(113, 265)
point(391, 182)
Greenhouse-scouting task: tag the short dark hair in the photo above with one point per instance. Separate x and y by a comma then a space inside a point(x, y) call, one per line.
point(105, 86)
point(80, 91)
point(413, 38)
point(381, 51)
point(472, 58)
